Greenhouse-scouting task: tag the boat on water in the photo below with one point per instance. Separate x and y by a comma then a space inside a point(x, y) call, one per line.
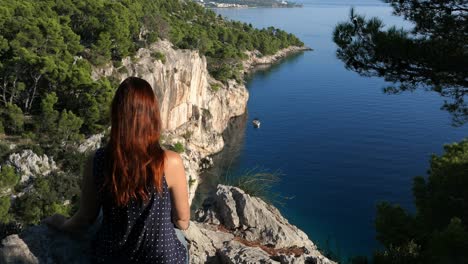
point(256, 123)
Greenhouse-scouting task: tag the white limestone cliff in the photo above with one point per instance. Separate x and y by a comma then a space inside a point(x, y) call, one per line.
point(192, 113)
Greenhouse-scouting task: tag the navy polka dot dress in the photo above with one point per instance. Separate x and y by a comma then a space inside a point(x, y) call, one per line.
point(135, 233)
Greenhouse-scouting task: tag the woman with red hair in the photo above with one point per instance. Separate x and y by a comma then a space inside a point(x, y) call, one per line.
point(140, 187)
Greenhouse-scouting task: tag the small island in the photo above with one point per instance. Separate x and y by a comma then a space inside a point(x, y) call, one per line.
point(247, 3)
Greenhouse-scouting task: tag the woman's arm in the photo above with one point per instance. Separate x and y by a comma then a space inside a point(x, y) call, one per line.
point(177, 182)
point(89, 205)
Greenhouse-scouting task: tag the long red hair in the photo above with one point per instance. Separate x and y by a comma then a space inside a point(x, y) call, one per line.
point(135, 156)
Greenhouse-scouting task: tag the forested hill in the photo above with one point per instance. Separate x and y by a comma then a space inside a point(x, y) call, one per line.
point(49, 100)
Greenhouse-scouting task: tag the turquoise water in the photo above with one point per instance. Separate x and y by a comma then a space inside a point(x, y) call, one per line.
point(341, 144)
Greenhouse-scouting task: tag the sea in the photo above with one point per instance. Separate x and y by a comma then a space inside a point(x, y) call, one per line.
point(340, 143)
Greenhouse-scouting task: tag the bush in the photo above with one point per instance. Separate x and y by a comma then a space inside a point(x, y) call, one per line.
point(159, 56)
point(8, 177)
point(47, 198)
point(178, 147)
point(4, 151)
point(13, 118)
point(215, 87)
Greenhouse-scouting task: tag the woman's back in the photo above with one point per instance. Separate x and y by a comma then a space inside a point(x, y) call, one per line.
point(136, 233)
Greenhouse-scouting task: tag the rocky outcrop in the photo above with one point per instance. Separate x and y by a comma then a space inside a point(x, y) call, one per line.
point(232, 227)
point(91, 143)
point(28, 164)
point(256, 58)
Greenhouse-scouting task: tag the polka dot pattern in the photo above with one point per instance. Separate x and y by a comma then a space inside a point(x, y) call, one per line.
point(136, 233)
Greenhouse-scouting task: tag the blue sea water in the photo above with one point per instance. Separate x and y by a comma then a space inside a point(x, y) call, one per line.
point(340, 142)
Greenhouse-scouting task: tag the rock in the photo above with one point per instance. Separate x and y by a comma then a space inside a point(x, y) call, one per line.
point(14, 250)
point(235, 252)
point(253, 219)
point(255, 58)
point(245, 229)
point(91, 143)
point(41, 244)
point(274, 241)
point(29, 164)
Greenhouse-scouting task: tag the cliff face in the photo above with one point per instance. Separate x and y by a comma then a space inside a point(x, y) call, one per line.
point(193, 113)
point(233, 227)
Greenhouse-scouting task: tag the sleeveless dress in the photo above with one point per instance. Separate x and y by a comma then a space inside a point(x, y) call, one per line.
point(136, 233)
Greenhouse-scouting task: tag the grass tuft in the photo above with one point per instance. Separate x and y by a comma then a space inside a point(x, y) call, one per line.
point(259, 183)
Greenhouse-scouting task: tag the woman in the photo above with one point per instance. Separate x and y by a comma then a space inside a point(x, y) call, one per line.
point(140, 187)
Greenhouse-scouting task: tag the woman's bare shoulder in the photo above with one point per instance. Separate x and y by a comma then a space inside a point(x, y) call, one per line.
point(173, 167)
point(172, 157)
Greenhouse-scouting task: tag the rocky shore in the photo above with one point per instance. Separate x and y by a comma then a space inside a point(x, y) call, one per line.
point(232, 227)
point(255, 58)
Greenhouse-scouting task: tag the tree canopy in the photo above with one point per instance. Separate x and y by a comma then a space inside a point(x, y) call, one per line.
point(432, 55)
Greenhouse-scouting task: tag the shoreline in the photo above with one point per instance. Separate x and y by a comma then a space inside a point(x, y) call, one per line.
point(255, 58)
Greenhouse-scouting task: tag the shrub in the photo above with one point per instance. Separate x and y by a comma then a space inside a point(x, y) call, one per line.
point(191, 181)
point(178, 147)
point(8, 177)
point(159, 56)
point(215, 87)
point(13, 118)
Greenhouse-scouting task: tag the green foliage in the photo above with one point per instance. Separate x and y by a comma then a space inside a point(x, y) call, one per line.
point(437, 233)
point(58, 129)
point(69, 127)
point(2, 128)
point(48, 118)
point(13, 118)
point(47, 197)
point(102, 49)
point(8, 177)
point(4, 151)
point(159, 56)
point(215, 87)
point(5, 204)
point(394, 224)
point(178, 147)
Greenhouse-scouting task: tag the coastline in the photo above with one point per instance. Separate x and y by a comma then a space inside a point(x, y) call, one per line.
point(255, 58)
